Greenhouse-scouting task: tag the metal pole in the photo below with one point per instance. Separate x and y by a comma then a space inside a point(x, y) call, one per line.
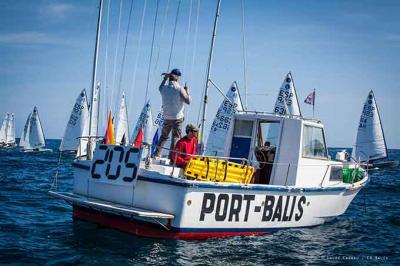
point(203, 120)
point(94, 77)
point(244, 56)
point(313, 106)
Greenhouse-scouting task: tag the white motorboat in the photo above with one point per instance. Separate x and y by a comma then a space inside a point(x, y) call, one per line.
point(272, 172)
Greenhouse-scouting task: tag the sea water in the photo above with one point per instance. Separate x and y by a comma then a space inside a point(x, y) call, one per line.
point(36, 228)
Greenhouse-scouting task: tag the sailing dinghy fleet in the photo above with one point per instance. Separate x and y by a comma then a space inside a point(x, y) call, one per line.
point(258, 172)
point(7, 132)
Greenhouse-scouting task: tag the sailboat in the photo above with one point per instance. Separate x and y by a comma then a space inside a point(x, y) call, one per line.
point(122, 137)
point(24, 140)
point(10, 139)
point(7, 131)
point(77, 126)
point(370, 146)
point(287, 100)
point(3, 131)
point(222, 126)
point(33, 139)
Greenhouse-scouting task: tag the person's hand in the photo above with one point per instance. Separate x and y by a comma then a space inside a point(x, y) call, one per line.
point(186, 87)
point(166, 75)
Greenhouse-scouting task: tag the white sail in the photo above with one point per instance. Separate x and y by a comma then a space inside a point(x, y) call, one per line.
point(145, 121)
point(3, 129)
point(95, 112)
point(123, 124)
point(36, 135)
point(370, 141)
point(10, 138)
point(158, 124)
point(77, 125)
point(287, 101)
point(218, 140)
point(24, 137)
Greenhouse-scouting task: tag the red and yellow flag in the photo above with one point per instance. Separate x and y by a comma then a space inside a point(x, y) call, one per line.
point(110, 139)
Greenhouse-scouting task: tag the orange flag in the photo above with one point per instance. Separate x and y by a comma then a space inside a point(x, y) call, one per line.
point(110, 139)
point(139, 139)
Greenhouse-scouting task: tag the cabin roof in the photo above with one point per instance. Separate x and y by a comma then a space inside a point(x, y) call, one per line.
point(253, 115)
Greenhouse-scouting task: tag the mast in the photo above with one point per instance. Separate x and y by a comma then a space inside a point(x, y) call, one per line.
point(94, 77)
point(203, 120)
point(244, 56)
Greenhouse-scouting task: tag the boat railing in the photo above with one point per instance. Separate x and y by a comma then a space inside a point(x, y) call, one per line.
point(280, 115)
point(95, 139)
point(281, 167)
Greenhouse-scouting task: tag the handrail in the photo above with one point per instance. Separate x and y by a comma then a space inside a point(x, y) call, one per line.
point(253, 162)
point(279, 115)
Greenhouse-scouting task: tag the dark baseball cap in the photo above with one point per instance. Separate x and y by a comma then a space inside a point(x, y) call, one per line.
point(176, 72)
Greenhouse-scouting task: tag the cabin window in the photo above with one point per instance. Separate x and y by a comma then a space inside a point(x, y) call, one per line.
point(243, 128)
point(268, 132)
point(314, 143)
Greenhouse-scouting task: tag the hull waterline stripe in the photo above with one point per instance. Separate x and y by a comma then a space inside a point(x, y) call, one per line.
point(147, 229)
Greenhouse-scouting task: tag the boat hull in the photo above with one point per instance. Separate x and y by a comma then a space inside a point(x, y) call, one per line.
point(386, 164)
point(206, 209)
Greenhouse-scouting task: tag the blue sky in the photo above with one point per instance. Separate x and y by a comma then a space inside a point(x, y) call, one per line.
point(342, 48)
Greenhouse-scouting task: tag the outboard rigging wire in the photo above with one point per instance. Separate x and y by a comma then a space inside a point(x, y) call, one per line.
point(173, 36)
point(138, 51)
point(116, 54)
point(151, 51)
point(124, 54)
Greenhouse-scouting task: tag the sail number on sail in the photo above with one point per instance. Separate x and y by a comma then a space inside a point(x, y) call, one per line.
point(368, 111)
point(284, 98)
point(114, 162)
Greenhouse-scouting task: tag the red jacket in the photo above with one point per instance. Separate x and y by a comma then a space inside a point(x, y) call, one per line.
point(187, 146)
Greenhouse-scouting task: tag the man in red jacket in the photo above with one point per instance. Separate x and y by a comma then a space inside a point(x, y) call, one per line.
point(185, 147)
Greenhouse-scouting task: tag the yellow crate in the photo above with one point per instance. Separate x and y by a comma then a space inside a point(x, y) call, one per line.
point(212, 169)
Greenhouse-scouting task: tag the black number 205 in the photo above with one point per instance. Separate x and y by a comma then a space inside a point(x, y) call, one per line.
point(116, 155)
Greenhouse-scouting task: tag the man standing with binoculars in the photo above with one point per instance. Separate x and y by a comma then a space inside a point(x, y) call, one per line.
point(174, 97)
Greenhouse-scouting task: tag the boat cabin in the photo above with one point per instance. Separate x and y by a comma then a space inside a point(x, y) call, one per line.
point(285, 150)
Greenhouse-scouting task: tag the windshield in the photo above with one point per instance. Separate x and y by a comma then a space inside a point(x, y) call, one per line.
point(314, 143)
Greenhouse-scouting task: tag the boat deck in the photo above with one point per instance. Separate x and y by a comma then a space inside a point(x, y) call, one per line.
point(109, 206)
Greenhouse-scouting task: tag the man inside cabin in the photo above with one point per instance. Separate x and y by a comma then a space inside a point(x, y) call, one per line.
point(186, 146)
point(174, 97)
point(265, 155)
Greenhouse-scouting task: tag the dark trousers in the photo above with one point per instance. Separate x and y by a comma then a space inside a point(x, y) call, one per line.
point(169, 125)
